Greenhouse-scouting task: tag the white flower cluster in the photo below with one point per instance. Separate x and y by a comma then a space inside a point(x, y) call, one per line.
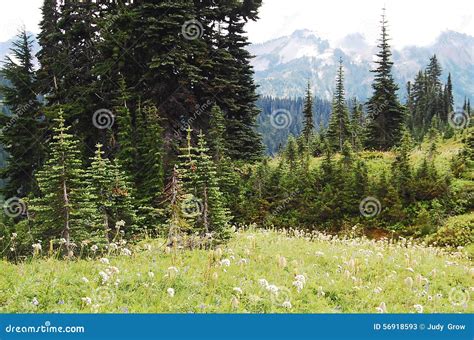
point(299, 283)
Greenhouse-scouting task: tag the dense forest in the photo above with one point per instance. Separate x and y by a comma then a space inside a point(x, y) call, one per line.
point(141, 121)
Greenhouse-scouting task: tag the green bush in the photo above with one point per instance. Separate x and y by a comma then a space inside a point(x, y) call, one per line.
point(457, 231)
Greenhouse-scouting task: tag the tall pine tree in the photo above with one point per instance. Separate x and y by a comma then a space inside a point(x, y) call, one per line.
point(339, 125)
point(308, 126)
point(385, 112)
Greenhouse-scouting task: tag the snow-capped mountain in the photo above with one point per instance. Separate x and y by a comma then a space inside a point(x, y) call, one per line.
point(284, 65)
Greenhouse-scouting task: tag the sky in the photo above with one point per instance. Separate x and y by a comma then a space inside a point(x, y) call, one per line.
point(412, 22)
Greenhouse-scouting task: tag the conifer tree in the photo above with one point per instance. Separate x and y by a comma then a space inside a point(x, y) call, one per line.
point(357, 126)
point(215, 215)
point(448, 100)
point(401, 169)
point(385, 112)
point(291, 152)
point(149, 173)
point(114, 200)
point(339, 125)
point(308, 126)
point(127, 149)
point(21, 133)
point(64, 208)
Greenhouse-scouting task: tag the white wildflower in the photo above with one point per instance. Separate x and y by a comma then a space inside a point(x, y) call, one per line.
point(170, 292)
point(87, 300)
point(85, 279)
point(14, 236)
point(119, 224)
point(272, 289)
point(225, 262)
point(263, 283)
point(410, 269)
point(94, 248)
point(282, 261)
point(377, 290)
point(299, 285)
point(35, 301)
point(126, 252)
point(234, 302)
point(113, 246)
point(151, 274)
point(287, 304)
point(104, 276)
point(300, 278)
point(104, 260)
point(382, 308)
point(37, 247)
point(418, 308)
point(238, 290)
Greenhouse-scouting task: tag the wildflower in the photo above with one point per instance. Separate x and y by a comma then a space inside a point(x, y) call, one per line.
point(87, 300)
point(113, 270)
point(94, 248)
point(14, 236)
point(319, 253)
point(320, 291)
point(225, 262)
point(410, 269)
point(61, 302)
point(37, 247)
point(282, 261)
point(85, 280)
point(151, 274)
point(170, 292)
point(377, 290)
point(147, 247)
point(299, 285)
point(117, 282)
point(272, 289)
point(113, 246)
point(234, 302)
point(286, 304)
point(418, 308)
point(173, 270)
point(215, 276)
point(62, 241)
point(301, 278)
point(119, 224)
point(243, 262)
point(104, 260)
point(382, 308)
point(35, 301)
point(104, 276)
point(237, 290)
point(218, 253)
point(126, 252)
point(263, 283)
point(409, 282)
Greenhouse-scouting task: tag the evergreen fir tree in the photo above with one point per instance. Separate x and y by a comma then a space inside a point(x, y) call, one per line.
point(339, 125)
point(401, 169)
point(448, 100)
point(308, 126)
point(21, 133)
point(357, 126)
point(114, 200)
point(215, 215)
point(291, 152)
point(64, 208)
point(385, 112)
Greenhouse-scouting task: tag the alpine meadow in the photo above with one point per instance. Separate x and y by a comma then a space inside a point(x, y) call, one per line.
point(148, 168)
